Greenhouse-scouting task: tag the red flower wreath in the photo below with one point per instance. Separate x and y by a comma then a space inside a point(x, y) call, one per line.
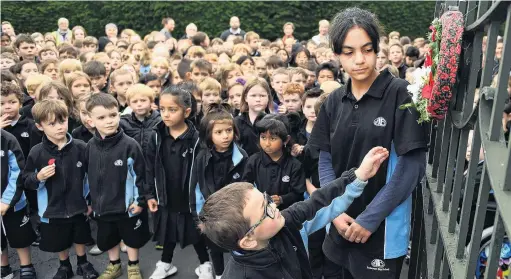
point(449, 56)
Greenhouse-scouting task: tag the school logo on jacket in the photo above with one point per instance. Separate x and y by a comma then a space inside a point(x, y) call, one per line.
point(24, 221)
point(138, 224)
point(118, 163)
point(24, 135)
point(184, 153)
point(377, 265)
point(79, 164)
point(236, 176)
point(2, 153)
point(380, 122)
point(285, 178)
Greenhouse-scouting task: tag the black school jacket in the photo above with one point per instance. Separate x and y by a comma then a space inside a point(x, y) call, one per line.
point(63, 194)
point(155, 172)
point(286, 256)
point(284, 177)
point(201, 187)
point(116, 171)
point(26, 133)
point(248, 134)
point(140, 131)
point(12, 163)
point(82, 133)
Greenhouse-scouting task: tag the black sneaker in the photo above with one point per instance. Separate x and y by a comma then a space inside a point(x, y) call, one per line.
point(27, 273)
point(87, 271)
point(7, 272)
point(64, 272)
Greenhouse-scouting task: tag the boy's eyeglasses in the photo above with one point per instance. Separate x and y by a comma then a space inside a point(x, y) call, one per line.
point(269, 211)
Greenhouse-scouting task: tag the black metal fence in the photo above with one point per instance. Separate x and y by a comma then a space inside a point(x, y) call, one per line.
point(462, 211)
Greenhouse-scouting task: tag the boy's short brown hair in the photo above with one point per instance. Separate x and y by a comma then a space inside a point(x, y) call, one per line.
point(251, 35)
point(265, 43)
point(280, 71)
point(69, 50)
point(298, 71)
point(101, 100)
point(210, 83)
point(9, 88)
point(90, 40)
point(48, 110)
point(12, 56)
point(202, 64)
point(221, 218)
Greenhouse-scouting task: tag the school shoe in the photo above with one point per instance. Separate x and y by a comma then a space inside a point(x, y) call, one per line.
point(134, 272)
point(28, 273)
point(87, 271)
point(204, 271)
point(95, 251)
point(7, 272)
point(64, 272)
point(163, 270)
point(111, 272)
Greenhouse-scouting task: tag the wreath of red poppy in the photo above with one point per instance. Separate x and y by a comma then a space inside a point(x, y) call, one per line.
point(448, 60)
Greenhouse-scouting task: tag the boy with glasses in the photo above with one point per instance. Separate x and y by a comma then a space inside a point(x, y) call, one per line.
point(268, 243)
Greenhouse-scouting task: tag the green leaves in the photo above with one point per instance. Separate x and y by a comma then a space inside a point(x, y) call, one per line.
point(410, 18)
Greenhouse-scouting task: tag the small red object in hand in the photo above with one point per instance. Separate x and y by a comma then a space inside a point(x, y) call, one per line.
point(51, 161)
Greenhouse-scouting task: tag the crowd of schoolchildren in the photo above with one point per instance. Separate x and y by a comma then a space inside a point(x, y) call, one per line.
point(112, 132)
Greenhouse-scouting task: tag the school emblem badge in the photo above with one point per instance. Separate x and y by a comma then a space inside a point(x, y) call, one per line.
point(380, 122)
point(79, 164)
point(24, 135)
point(236, 176)
point(24, 221)
point(184, 153)
point(2, 153)
point(285, 178)
point(138, 224)
point(118, 163)
point(377, 263)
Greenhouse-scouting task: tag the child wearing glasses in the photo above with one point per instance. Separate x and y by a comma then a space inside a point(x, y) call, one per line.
point(266, 242)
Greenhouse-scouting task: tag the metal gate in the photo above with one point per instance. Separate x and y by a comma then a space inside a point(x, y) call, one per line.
point(450, 212)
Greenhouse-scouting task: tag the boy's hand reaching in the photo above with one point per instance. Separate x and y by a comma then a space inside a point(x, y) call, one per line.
point(153, 205)
point(277, 200)
point(371, 163)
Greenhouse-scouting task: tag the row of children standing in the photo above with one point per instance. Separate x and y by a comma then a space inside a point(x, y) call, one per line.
point(181, 125)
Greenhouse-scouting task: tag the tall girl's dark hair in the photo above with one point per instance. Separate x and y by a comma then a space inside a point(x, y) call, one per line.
point(148, 78)
point(182, 97)
point(217, 113)
point(346, 19)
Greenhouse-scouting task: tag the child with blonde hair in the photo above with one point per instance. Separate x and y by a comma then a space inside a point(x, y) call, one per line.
point(210, 89)
point(68, 66)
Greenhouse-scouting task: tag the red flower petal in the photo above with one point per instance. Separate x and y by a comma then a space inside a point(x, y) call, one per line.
point(51, 161)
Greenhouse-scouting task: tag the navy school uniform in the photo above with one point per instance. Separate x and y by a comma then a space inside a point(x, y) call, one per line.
point(286, 256)
point(28, 136)
point(62, 197)
point(82, 133)
point(212, 171)
point(348, 129)
point(28, 104)
point(248, 134)
point(16, 227)
point(169, 184)
point(140, 130)
point(116, 175)
point(284, 177)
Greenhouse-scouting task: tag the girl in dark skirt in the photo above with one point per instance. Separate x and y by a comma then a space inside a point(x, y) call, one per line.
point(169, 161)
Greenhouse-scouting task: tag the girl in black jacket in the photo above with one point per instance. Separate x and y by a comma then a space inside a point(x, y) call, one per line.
point(169, 160)
point(219, 163)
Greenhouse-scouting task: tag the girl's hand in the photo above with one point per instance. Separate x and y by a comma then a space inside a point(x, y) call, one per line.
point(134, 209)
point(153, 205)
point(296, 150)
point(46, 172)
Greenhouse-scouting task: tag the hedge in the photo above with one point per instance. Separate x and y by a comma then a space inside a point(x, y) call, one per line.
point(264, 17)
